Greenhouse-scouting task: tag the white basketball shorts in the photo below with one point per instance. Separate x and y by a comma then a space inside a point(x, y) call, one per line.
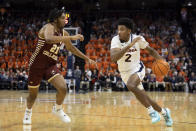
point(139, 70)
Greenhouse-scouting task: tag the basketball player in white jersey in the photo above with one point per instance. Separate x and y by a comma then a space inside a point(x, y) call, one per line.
point(125, 49)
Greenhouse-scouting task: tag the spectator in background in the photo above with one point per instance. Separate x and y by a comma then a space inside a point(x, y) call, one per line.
point(77, 76)
point(84, 81)
point(102, 80)
point(159, 81)
point(69, 74)
point(88, 74)
point(120, 85)
point(168, 83)
point(189, 66)
point(173, 80)
point(94, 79)
point(63, 72)
point(146, 79)
point(70, 61)
point(108, 81)
point(152, 81)
point(5, 80)
point(180, 82)
point(14, 82)
point(21, 80)
point(113, 81)
point(192, 82)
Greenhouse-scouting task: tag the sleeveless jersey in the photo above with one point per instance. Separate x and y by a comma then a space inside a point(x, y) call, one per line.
point(45, 54)
point(131, 59)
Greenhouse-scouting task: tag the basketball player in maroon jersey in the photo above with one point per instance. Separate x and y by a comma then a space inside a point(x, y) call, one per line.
point(42, 64)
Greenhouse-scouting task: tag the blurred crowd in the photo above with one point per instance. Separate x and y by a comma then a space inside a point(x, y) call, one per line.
point(18, 38)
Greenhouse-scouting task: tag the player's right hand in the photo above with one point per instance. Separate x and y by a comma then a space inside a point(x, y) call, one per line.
point(135, 40)
point(77, 37)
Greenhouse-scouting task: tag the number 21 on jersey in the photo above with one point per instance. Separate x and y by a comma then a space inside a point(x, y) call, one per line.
point(54, 49)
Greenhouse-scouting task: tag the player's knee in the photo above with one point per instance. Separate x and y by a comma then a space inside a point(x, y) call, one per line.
point(131, 86)
point(33, 96)
point(62, 88)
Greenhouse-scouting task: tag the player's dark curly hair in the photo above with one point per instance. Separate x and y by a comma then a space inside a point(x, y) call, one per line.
point(54, 14)
point(126, 22)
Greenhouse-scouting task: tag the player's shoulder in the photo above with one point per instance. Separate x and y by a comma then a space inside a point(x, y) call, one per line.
point(48, 25)
point(135, 35)
point(116, 38)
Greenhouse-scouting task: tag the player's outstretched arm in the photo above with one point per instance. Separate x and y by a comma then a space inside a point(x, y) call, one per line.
point(153, 52)
point(51, 38)
point(74, 50)
point(117, 53)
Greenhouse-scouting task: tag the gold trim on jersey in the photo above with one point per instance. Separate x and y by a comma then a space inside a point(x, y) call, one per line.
point(41, 37)
point(51, 78)
point(41, 41)
point(33, 86)
point(36, 52)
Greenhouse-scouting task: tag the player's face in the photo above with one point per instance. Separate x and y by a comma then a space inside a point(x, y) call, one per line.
point(123, 32)
point(61, 20)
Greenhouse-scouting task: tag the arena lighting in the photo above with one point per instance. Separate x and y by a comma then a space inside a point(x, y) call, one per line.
point(189, 3)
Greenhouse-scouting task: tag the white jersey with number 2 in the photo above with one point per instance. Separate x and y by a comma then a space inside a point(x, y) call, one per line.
point(131, 59)
point(130, 62)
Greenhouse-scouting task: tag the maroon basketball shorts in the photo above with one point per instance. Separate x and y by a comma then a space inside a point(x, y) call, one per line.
point(37, 74)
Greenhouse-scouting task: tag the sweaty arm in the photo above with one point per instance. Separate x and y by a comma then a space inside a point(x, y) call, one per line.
point(117, 53)
point(153, 52)
point(50, 37)
point(73, 49)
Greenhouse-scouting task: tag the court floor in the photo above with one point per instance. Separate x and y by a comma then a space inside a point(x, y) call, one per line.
point(96, 111)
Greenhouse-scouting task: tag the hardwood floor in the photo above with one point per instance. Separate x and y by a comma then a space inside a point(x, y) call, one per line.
point(97, 111)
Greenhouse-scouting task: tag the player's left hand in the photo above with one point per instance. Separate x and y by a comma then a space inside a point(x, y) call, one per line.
point(92, 62)
point(135, 40)
point(77, 37)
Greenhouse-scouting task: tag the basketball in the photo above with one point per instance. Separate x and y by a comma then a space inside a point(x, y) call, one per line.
point(160, 68)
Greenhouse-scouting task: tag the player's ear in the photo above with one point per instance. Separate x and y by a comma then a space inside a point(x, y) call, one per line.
point(129, 30)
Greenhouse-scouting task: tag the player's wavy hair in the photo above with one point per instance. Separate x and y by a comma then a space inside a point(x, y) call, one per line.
point(126, 22)
point(55, 13)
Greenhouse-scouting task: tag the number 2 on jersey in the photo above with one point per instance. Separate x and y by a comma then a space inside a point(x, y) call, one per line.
point(128, 58)
point(55, 49)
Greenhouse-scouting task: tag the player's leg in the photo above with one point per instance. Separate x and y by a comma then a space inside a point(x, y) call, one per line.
point(132, 85)
point(57, 80)
point(164, 111)
point(34, 79)
point(153, 105)
point(32, 96)
point(152, 102)
point(30, 101)
point(59, 83)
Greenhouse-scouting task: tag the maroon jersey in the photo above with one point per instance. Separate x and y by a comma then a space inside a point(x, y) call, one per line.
point(42, 64)
point(45, 54)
